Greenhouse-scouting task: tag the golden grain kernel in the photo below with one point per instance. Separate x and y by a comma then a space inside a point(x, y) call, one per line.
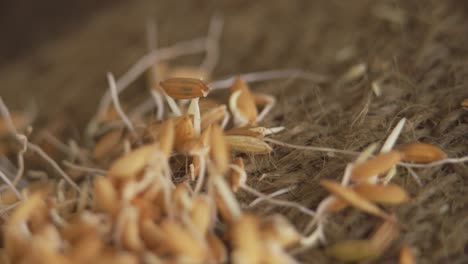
point(151, 234)
point(105, 195)
point(375, 166)
point(245, 103)
point(185, 88)
point(353, 198)
point(384, 235)
point(244, 131)
point(180, 242)
point(235, 176)
point(202, 213)
point(218, 250)
point(422, 152)
point(247, 240)
point(406, 255)
point(212, 116)
point(278, 229)
point(247, 144)
point(131, 239)
point(167, 137)
point(132, 163)
point(352, 250)
point(184, 132)
point(219, 149)
point(386, 194)
point(107, 144)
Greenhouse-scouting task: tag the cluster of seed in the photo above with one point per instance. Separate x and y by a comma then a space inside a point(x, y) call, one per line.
point(168, 193)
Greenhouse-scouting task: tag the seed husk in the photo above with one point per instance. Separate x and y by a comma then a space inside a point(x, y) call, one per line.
point(375, 166)
point(105, 195)
point(185, 88)
point(219, 149)
point(386, 194)
point(278, 229)
point(353, 198)
point(212, 116)
point(422, 152)
point(247, 144)
point(246, 238)
point(352, 250)
point(184, 132)
point(245, 103)
point(244, 131)
point(218, 249)
point(132, 163)
point(201, 213)
point(181, 242)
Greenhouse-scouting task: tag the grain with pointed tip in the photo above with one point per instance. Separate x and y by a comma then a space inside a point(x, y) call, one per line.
point(201, 213)
point(247, 144)
point(246, 102)
point(218, 250)
point(353, 198)
point(386, 194)
point(422, 152)
point(212, 116)
point(185, 88)
point(247, 240)
point(132, 163)
point(244, 131)
point(105, 195)
point(184, 132)
point(219, 149)
point(278, 229)
point(181, 243)
point(375, 166)
point(167, 137)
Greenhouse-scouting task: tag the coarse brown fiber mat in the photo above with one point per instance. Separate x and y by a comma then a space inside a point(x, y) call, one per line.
point(416, 50)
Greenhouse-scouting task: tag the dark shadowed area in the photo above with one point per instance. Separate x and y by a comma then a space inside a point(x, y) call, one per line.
point(55, 56)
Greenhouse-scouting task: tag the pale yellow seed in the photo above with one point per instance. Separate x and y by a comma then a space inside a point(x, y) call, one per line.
point(219, 149)
point(132, 163)
point(245, 102)
point(105, 195)
point(384, 235)
point(353, 198)
point(247, 144)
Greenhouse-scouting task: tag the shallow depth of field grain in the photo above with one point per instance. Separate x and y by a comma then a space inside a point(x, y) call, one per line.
point(420, 53)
